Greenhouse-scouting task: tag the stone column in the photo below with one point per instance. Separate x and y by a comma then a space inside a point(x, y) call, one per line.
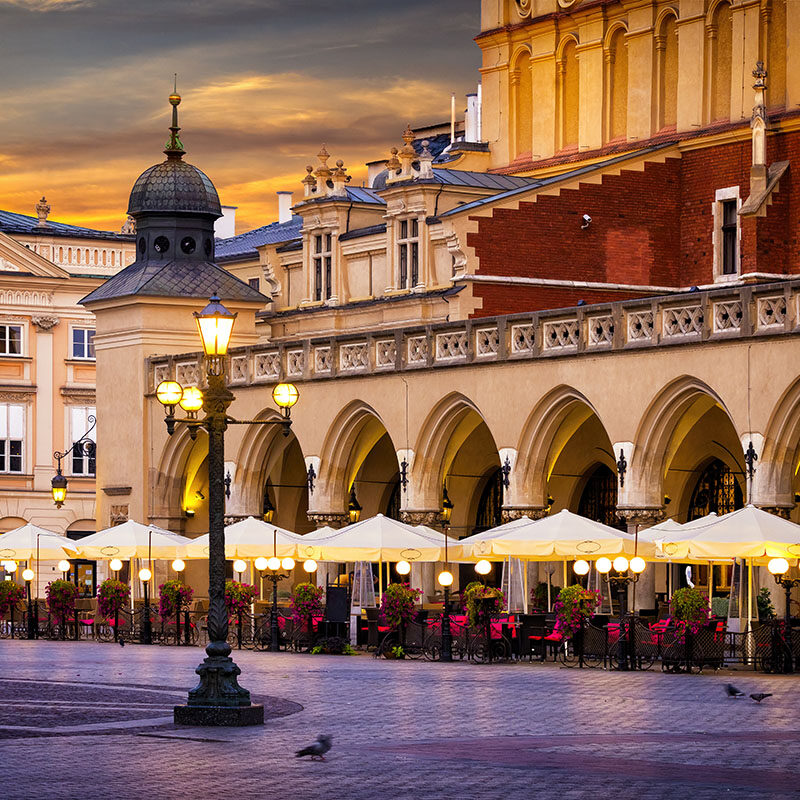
point(639, 519)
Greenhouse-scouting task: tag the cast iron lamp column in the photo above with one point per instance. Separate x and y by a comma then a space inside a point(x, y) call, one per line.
point(445, 579)
point(33, 624)
point(779, 567)
point(217, 699)
point(620, 580)
point(147, 625)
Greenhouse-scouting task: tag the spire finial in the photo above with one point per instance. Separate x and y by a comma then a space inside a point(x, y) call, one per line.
point(174, 148)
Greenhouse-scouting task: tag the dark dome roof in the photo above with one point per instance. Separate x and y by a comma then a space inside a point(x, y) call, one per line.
point(174, 186)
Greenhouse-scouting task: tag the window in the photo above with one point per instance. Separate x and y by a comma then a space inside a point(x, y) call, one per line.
point(11, 340)
point(82, 463)
point(730, 264)
point(255, 283)
point(12, 432)
point(408, 244)
point(82, 343)
point(322, 266)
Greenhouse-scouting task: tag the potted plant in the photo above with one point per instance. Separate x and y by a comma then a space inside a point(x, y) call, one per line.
point(112, 597)
point(306, 601)
point(484, 603)
point(766, 611)
point(575, 606)
point(689, 606)
point(61, 596)
point(239, 596)
point(333, 646)
point(10, 594)
point(397, 604)
point(173, 595)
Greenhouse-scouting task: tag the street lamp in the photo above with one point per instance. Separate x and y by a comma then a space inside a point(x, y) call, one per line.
point(269, 509)
point(353, 506)
point(778, 567)
point(27, 576)
point(179, 565)
point(273, 565)
point(620, 579)
point(403, 567)
point(445, 579)
point(147, 633)
point(84, 446)
point(64, 565)
point(218, 699)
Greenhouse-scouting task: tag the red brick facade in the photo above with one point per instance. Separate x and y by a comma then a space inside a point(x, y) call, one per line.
point(651, 228)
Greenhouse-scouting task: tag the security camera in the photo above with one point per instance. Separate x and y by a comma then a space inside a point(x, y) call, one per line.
point(587, 221)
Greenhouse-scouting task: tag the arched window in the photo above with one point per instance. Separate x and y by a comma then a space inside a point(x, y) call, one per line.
point(523, 105)
point(570, 95)
point(721, 42)
point(618, 86)
point(667, 51)
point(599, 498)
point(717, 490)
point(490, 506)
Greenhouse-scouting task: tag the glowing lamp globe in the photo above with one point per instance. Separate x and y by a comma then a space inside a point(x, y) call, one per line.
point(637, 564)
point(274, 564)
point(116, 565)
point(179, 565)
point(778, 566)
point(621, 564)
point(215, 324)
point(287, 563)
point(11, 566)
point(145, 574)
point(309, 565)
point(239, 566)
point(285, 395)
point(27, 575)
point(63, 565)
point(483, 567)
point(169, 393)
point(603, 565)
point(261, 563)
point(191, 399)
point(403, 567)
point(445, 578)
point(581, 566)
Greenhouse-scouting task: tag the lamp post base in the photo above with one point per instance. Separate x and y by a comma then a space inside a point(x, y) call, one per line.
point(219, 716)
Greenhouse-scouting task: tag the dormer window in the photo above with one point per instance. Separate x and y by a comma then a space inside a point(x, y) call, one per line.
point(408, 254)
point(322, 266)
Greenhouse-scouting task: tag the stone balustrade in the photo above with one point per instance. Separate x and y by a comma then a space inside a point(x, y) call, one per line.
point(717, 314)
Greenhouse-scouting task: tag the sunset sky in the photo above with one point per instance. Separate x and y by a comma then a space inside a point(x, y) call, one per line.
point(83, 99)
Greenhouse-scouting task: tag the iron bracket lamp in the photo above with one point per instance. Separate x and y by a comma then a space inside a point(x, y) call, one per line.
point(83, 446)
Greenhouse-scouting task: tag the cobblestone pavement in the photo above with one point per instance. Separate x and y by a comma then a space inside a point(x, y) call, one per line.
point(83, 720)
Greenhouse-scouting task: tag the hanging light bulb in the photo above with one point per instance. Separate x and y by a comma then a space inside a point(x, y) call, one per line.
point(403, 567)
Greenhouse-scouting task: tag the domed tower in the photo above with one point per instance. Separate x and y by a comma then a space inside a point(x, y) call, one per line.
point(174, 205)
point(144, 310)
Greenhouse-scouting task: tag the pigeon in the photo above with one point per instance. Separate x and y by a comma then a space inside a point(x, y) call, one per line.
point(121, 642)
point(759, 696)
point(732, 691)
point(318, 749)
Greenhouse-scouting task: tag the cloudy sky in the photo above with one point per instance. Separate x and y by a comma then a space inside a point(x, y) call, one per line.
point(83, 97)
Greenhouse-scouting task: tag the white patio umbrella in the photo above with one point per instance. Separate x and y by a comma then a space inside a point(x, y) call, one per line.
point(559, 536)
point(131, 539)
point(750, 533)
point(251, 538)
point(377, 538)
point(30, 542)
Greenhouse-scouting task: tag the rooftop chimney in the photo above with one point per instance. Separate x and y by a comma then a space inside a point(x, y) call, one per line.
point(285, 206)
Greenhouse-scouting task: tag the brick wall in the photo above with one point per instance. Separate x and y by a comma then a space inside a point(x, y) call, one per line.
point(650, 227)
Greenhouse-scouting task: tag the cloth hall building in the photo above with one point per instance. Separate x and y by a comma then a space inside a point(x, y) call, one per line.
point(589, 300)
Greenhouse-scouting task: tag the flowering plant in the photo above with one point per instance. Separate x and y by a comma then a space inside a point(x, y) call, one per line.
point(172, 597)
point(397, 604)
point(484, 603)
point(61, 597)
point(574, 605)
point(112, 595)
point(10, 594)
point(306, 600)
point(239, 596)
point(689, 606)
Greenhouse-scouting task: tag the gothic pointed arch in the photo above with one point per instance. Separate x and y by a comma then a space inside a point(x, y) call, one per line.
point(779, 460)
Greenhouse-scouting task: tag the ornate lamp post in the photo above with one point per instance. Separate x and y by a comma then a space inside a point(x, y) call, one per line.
point(620, 580)
point(84, 446)
point(145, 576)
point(33, 623)
point(778, 567)
point(445, 579)
point(217, 699)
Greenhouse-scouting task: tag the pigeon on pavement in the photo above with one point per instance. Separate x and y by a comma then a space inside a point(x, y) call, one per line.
point(121, 642)
point(732, 691)
point(318, 749)
point(759, 696)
